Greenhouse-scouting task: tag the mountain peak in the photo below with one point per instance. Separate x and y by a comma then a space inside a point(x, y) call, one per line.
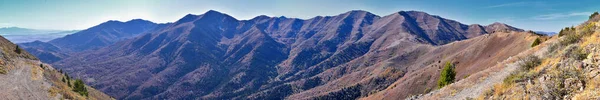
point(216, 14)
point(498, 23)
point(416, 14)
point(412, 12)
point(497, 26)
point(358, 11)
point(260, 17)
point(111, 22)
point(213, 12)
point(137, 20)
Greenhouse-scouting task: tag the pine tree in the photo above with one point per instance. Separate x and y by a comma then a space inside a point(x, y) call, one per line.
point(594, 14)
point(63, 80)
point(447, 75)
point(18, 50)
point(67, 75)
point(69, 82)
point(79, 87)
point(561, 33)
point(536, 42)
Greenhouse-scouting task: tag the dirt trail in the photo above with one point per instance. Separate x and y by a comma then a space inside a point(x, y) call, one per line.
point(19, 84)
point(480, 82)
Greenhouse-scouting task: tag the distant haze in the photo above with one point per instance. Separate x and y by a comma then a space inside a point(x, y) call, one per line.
point(21, 35)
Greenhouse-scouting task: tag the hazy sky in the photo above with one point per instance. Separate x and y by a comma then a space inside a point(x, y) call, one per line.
point(543, 15)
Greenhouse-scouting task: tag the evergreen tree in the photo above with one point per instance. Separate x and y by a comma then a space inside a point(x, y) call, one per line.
point(561, 33)
point(67, 75)
point(18, 50)
point(594, 14)
point(447, 75)
point(536, 42)
point(69, 82)
point(79, 87)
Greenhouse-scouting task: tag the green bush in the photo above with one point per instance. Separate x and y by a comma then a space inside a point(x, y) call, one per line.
point(530, 62)
point(561, 33)
point(570, 39)
point(536, 42)
point(575, 53)
point(447, 75)
point(513, 78)
point(2, 70)
point(594, 14)
point(79, 87)
point(18, 50)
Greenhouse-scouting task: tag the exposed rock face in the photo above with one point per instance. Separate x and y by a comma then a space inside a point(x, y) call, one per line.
point(215, 56)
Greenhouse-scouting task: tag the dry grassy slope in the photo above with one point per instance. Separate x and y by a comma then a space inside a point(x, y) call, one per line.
point(472, 56)
point(417, 66)
point(23, 78)
point(562, 73)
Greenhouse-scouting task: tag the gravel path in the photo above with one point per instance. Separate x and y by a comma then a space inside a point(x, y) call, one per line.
point(488, 83)
point(477, 88)
point(19, 84)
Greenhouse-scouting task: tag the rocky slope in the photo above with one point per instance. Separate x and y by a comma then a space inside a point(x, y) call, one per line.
point(22, 76)
point(347, 56)
point(563, 67)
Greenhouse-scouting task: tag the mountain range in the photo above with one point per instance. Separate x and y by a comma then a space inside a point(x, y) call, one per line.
point(22, 35)
point(352, 55)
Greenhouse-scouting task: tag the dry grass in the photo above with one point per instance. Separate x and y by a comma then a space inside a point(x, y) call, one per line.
point(558, 77)
point(3, 70)
point(63, 89)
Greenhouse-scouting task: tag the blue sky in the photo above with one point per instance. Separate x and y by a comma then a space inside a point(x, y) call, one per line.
point(540, 15)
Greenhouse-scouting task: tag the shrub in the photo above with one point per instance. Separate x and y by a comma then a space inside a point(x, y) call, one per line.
point(2, 70)
point(530, 62)
point(447, 75)
point(570, 39)
point(536, 42)
point(79, 87)
point(69, 83)
point(594, 14)
point(561, 33)
point(18, 50)
point(575, 53)
point(513, 78)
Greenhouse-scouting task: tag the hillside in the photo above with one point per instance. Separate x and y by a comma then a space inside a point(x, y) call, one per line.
point(215, 56)
point(22, 76)
point(563, 67)
point(96, 37)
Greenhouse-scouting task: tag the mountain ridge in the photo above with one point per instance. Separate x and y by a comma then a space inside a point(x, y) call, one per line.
point(248, 58)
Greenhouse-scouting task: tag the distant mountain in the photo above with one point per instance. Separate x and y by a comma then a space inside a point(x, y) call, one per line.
point(95, 37)
point(547, 33)
point(215, 56)
point(104, 34)
point(21, 35)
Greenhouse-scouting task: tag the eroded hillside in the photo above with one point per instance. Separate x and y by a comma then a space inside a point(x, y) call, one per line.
point(22, 76)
